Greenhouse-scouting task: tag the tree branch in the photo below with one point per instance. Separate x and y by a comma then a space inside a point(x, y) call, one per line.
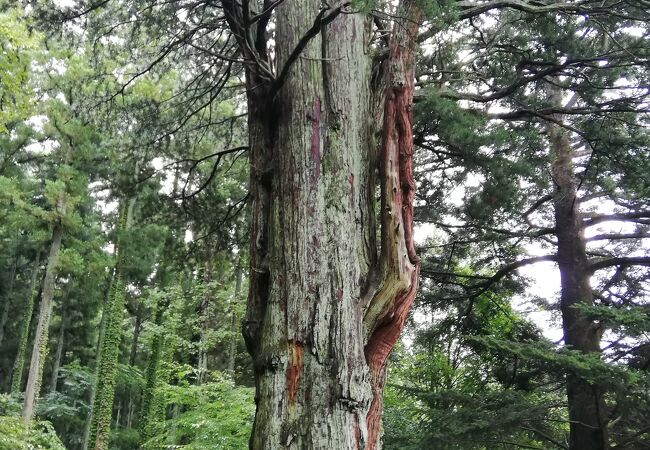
point(621, 261)
point(618, 236)
point(618, 217)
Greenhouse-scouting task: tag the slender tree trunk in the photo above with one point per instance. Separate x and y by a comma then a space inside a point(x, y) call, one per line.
point(137, 327)
point(232, 352)
point(57, 358)
point(19, 364)
point(39, 349)
point(118, 414)
point(587, 414)
point(205, 315)
point(7, 300)
point(126, 399)
point(324, 308)
point(130, 411)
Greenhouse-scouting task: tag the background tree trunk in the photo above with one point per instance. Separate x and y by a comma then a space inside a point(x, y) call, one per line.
point(7, 299)
point(232, 351)
point(19, 364)
point(587, 414)
point(57, 358)
point(39, 349)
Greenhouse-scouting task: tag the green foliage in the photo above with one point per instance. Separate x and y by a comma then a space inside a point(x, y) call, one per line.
point(365, 6)
point(632, 321)
point(17, 45)
point(19, 365)
point(40, 435)
point(67, 408)
point(453, 390)
point(215, 415)
point(124, 439)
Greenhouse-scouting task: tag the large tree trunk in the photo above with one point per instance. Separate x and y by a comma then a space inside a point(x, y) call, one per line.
point(151, 407)
point(324, 307)
point(39, 349)
point(587, 414)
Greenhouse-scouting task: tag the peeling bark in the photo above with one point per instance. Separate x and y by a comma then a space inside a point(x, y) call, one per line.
point(390, 303)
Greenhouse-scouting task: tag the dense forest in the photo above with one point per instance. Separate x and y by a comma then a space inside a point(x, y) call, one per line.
point(312, 225)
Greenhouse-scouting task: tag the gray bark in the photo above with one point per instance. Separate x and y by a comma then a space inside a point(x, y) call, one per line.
point(310, 356)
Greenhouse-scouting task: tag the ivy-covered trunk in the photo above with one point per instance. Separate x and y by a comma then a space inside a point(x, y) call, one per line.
point(109, 349)
point(587, 414)
point(19, 364)
point(326, 301)
point(150, 408)
point(39, 349)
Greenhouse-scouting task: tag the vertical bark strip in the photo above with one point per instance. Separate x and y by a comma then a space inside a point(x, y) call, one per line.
point(396, 291)
point(587, 415)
